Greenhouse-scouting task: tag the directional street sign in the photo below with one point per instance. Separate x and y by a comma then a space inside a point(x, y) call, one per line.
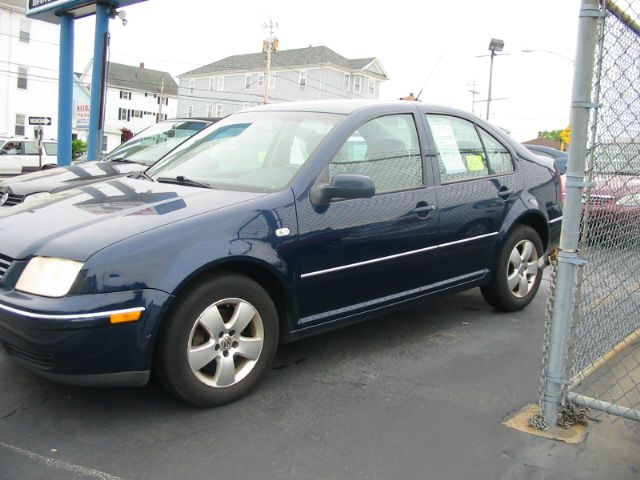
point(40, 121)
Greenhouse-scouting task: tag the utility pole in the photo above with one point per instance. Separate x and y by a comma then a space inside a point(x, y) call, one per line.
point(268, 46)
point(161, 99)
point(473, 92)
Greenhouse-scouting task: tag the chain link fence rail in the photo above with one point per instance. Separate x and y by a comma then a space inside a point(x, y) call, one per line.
point(594, 341)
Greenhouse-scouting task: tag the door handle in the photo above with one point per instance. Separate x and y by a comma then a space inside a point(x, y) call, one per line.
point(505, 192)
point(423, 210)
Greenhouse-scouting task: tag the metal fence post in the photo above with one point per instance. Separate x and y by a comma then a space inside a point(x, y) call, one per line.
point(568, 260)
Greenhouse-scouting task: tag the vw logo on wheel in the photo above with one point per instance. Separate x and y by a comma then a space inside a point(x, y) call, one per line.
point(3, 198)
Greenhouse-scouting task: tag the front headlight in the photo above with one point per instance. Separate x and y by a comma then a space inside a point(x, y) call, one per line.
point(49, 277)
point(632, 200)
point(34, 197)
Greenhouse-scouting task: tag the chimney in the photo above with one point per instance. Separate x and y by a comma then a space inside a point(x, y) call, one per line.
point(141, 64)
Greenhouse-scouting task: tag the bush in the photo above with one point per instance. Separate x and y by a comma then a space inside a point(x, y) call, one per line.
point(78, 148)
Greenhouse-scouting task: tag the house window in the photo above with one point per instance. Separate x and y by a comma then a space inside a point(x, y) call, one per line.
point(136, 113)
point(25, 30)
point(105, 143)
point(218, 110)
point(125, 95)
point(122, 114)
point(372, 87)
point(20, 121)
point(247, 81)
point(190, 111)
point(303, 78)
point(347, 82)
point(261, 80)
point(192, 86)
point(357, 84)
point(210, 109)
point(22, 78)
point(220, 84)
point(272, 81)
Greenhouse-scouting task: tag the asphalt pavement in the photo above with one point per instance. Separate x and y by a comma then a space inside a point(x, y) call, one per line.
point(419, 394)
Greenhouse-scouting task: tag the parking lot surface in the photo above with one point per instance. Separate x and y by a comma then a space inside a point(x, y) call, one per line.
point(419, 394)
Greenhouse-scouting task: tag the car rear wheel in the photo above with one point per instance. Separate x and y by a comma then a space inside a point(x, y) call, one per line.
point(218, 341)
point(517, 276)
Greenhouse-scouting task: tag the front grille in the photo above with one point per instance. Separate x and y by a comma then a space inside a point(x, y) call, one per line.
point(41, 360)
point(5, 263)
point(14, 200)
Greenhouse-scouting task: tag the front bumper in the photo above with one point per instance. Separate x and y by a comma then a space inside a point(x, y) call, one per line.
point(70, 339)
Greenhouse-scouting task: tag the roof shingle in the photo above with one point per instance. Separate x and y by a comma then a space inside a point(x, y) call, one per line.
point(139, 78)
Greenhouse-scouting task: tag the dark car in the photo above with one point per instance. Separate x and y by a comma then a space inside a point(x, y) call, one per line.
point(135, 155)
point(559, 156)
point(277, 223)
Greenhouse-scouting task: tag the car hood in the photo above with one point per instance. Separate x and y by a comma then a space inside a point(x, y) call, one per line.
point(76, 223)
point(616, 185)
point(62, 178)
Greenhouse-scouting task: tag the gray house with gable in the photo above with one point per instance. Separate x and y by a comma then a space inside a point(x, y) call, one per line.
point(313, 73)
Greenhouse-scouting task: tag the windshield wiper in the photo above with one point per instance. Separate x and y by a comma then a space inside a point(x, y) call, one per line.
point(142, 174)
point(120, 159)
point(181, 180)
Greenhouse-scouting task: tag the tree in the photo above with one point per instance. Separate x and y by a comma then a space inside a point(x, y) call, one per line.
point(550, 135)
point(125, 134)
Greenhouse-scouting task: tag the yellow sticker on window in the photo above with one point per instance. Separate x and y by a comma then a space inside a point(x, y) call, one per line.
point(475, 163)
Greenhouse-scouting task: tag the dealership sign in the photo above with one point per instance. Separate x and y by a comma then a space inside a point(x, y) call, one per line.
point(50, 10)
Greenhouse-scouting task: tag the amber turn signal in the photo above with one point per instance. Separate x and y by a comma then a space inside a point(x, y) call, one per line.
point(127, 317)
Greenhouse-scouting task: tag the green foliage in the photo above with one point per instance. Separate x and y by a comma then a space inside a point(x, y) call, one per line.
point(78, 148)
point(550, 135)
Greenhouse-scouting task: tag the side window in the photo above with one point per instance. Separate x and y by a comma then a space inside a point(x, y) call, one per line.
point(460, 152)
point(385, 149)
point(499, 158)
point(51, 149)
point(30, 148)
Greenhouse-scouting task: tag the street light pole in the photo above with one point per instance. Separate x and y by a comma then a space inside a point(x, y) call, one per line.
point(494, 46)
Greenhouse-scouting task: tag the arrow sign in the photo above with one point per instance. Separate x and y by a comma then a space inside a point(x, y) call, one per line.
point(40, 121)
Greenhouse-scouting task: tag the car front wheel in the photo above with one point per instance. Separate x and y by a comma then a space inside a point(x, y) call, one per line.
point(218, 341)
point(517, 276)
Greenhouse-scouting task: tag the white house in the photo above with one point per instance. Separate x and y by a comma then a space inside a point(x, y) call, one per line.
point(28, 71)
point(136, 97)
point(313, 73)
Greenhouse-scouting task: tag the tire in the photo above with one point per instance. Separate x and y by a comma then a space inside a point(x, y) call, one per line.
point(517, 277)
point(218, 341)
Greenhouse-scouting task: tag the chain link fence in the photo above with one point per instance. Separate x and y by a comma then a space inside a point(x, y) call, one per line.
point(592, 358)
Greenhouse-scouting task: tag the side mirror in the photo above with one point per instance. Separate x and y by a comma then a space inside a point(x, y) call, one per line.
point(343, 186)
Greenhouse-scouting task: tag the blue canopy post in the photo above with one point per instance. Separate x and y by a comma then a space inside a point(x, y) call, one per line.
point(98, 80)
point(65, 90)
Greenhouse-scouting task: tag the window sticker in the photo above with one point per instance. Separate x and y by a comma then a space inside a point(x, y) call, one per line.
point(447, 146)
point(475, 163)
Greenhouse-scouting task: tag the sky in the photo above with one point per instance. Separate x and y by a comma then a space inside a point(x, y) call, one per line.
point(426, 45)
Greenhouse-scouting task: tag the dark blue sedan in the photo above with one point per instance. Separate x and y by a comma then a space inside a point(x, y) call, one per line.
point(280, 222)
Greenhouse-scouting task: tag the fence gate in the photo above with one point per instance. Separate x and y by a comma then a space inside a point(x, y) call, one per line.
point(592, 345)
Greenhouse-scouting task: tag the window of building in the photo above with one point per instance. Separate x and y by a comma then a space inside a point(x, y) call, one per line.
point(136, 113)
point(218, 112)
point(124, 95)
point(22, 78)
point(25, 30)
point(192, 86)
point(347, 82)
point(105, 146)
point(190, 111)
point(461, 155)
point(210, 110)
point(247, 81)
point(123, 114)
point(357, 84)
point(212, 84)
point(385, 149)
point(261, 80)
point(303, 78)
point(272, 81)
point(372, 86)
point(220, 84)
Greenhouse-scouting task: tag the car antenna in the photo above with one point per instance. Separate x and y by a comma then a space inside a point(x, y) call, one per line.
point(429, 77)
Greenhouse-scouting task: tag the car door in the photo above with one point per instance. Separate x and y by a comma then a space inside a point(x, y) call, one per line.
point(360, 254)
point(11, 157)
point(31, 158)
point(478, 185)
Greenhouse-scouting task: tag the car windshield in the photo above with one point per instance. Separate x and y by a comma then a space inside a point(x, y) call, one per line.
point(155, 142)
point(253, 151)
point(617, 158)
